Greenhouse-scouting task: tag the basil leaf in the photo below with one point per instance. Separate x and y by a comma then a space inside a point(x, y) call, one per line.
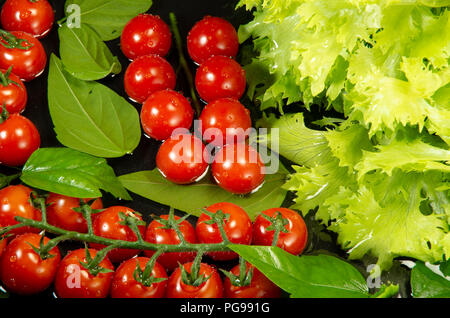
point(90, 117)
point(321, 276)
point(192, 198)
point(72, 173)
point(108, 17)
point(427, 284)
point(85, 55)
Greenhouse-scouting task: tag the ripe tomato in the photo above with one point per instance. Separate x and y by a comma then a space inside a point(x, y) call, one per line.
point(220, 77)
point(19, 138)
point(145, 34)
point(238, 228)
point(165, 111)
point(60, 212)
point(260, 286)
point(294, 241)
point(107, 224)
point(34, 17)
point(212, 288)
point(73, 280)
point(22, 270)
point(156, 233)
point(13, 93)
point(148, 74)
point(212, 36)
point(181, 159)
point(27, 63)
point(238, 168)
point(124, 285)
point(14, 201)
point(225, 121)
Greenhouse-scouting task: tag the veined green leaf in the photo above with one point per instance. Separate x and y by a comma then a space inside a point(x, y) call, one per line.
point(427, 284)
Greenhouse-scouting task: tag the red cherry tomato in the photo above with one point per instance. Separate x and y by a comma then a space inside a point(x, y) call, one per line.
point(34, 17)
point(13, 93)
point(294, 241)
point(148, 74)
point(260, 286)
point(212, 288)
point(73, 280)
point(107, 224)
point(19, 138)
point(181, 159)
point(27, 63)
point(238, 228)
point(165, 111)
point(60, 212)
point(225, 121)
point(145, 34)
point(212, 36)
point(22, 271)
point(15, 201)
point(220, 77)
point(238, 168)
point(124, 285)
point(156, 233)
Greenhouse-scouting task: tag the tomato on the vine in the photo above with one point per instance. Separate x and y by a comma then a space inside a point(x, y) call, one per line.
point(35, 17)
point(125, 285)
point(159, 233)
point(163, 112)
point(109, 224)
point(293, 240)
point(145, 34)
point(238, 168)
point(237, 226)
point(22, 270)
point(61, 213)
point(24, 53)
point(75, 280)
point(220, 77)
point(2, 244)
point(19, 138)
point(212, 36)
point(13, 93)
point(148, 74)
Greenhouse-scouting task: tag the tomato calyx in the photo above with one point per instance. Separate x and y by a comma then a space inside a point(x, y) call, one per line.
point(245, 274)
point(87, 205)
point(193, 277)
point(5, 114)
point(92, 265)
point(218, 218)
point(145, 277)
point(131, 220)
point(278, 224)
point(10, 41)
point(44, 249)
point(5, 80)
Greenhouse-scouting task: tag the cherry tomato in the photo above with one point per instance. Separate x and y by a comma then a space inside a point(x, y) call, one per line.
point(225, 121)
point(212, 288)
point(238, 168)
point(34, 17)
point(212, 36)
point(60, 212)
point(73, 280)
point(107, 224)
point(294, 241)
point(13, 93)
point(165, 111)
point(145, 34)
point(15, 201)
point(181, 159)
point(260, 286)
point(220, 77)
point(238, 228)
point(124, 285)
point(19, 138)
point(146, 75)
point(22, 270)
point(27, 63)
point(156, 233)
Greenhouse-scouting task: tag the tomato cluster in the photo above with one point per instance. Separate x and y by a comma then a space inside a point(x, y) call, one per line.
point(27, 267)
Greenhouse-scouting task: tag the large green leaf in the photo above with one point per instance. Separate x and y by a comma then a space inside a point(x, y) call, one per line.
point(321, 276)
point(108, 17)
point(90, 117)
point(192, 198)
point(72, 173)
point(427, 284)
point(85, 55)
